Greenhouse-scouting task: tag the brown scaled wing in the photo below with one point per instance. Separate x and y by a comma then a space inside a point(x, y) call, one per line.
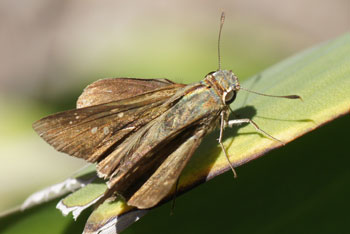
point(114, 126)
point(95, 130)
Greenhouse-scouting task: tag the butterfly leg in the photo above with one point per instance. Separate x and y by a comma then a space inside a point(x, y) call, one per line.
point(222, 126)
point(241, 121)
point(174, 196)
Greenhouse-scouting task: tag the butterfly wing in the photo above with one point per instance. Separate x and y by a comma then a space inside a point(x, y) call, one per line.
point(135, 139)
point(114, 89)
point(165, 141)
point(92, 132)
point(164, 178)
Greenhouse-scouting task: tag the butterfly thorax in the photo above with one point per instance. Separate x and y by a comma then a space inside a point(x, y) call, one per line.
point(225, 84)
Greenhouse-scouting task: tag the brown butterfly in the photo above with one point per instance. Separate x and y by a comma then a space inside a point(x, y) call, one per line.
point(142, 132)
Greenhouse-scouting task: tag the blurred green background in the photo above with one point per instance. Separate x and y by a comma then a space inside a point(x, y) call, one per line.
point(50, 50)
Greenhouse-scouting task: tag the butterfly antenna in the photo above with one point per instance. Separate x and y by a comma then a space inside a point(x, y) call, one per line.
point(222, 20)
point(267, 95)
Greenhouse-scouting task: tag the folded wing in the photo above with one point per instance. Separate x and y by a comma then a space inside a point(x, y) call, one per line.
point(164, 178)
point(92, 132)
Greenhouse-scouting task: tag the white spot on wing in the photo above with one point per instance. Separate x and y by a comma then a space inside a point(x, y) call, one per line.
point(94, 130)
point(77, 117)
point(129, 128)
point(105, 130)
point(121, 114)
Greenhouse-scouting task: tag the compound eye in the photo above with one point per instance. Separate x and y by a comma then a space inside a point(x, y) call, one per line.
point(229, 96)
point(210, 73)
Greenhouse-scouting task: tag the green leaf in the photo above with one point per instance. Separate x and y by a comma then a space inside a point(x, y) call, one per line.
point(43, 218)
point(320, 75)
point(85, 176)
point(104, 218)
point(82, 198)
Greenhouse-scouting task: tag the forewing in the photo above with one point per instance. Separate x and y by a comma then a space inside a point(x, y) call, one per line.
point(139, 153)
point(114, 89)
point(92, 132)
point(164, 178)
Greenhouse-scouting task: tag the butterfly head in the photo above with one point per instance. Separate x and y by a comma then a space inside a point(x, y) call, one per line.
point(228, 84)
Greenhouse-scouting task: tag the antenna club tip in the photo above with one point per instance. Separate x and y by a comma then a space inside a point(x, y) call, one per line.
point(295, 97)
point(222, 16)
